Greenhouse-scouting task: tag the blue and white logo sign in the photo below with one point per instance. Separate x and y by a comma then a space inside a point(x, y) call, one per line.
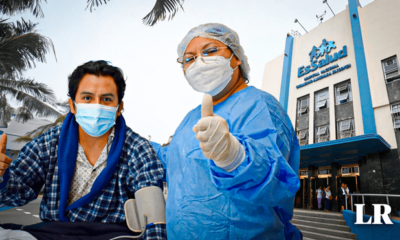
point(320, 58)
point(325, 47)
point(324, 50)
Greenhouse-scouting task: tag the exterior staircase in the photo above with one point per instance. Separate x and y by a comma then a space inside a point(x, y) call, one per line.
point(321, 225)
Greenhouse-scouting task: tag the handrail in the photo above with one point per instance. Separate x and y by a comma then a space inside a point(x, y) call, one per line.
point(372, 195)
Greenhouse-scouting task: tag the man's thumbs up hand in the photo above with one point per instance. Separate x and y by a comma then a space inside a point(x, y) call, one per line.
point(4, 160)
point(216, 142)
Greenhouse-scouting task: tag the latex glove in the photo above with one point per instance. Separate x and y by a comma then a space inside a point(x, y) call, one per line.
point(4, 160)
point(216, 142)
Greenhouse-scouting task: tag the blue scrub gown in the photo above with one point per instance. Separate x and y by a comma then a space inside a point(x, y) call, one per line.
point(256, 200)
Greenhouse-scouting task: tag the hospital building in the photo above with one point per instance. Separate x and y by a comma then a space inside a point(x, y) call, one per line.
point(340, 85)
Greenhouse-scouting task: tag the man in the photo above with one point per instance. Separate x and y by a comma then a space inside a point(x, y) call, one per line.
point(341, 192)
point(90, 166)
point(232, 163)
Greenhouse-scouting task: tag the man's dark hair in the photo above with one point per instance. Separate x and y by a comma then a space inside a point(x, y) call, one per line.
point(98, 68)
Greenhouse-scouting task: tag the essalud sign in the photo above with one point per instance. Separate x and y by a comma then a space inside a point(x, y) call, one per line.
point(324, 50)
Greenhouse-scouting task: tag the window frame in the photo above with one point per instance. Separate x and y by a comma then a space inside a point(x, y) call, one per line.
point(350, 130)
point(303, 139)
point(343, 91)
point(300, 106)
point(318, 100)
point(394, 78)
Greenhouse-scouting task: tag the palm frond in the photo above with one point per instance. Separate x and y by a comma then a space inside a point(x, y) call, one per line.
point(40, 130)
point(6, 111)
point(160, 11)
point(64, 105)
point(30, 103)
point(23, 114)
point(94, 3)
point(10, 7)
point(23, 139)
point(30, 86)
point(22, 48)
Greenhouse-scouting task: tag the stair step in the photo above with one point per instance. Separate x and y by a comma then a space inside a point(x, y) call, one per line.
point(328, 233)
point(319, 236)
point(321, 225)
point(321, 220)
point(305, 238)
point(319, 214)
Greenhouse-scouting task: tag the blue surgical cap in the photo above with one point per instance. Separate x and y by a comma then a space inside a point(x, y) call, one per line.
point(221, 33)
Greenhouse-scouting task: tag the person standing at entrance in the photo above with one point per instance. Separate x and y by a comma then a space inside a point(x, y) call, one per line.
point(347, 197)
point(323, 198)
point(341, 196)
point(319, 197)
point(328, 199)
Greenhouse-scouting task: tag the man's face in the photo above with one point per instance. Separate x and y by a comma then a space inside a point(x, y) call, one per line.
point(94, 89)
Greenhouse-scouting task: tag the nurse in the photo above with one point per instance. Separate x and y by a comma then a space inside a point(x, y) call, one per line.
point(232, 163)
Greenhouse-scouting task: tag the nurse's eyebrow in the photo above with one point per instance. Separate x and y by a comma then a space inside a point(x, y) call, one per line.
point(206, 45)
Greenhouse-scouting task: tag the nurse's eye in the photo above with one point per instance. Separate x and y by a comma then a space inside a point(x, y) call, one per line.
point(189, 59)
point(87, 98)
point(210, 51)
point(107, 99)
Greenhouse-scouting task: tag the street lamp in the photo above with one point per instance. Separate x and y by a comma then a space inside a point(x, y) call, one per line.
point(326, 1)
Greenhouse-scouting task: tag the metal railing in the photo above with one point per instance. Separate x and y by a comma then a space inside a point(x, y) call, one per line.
point(369, 195)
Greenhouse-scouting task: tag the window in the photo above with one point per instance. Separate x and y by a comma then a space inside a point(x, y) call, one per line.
point(343, 93)
point(303, 137)
point(345, 128)
point(321, 100)
point(391, 69)
point(395, 110)
point(304, 173)
point(302, 106)
point(349, 169)
point(322, 134)
point(323, 172)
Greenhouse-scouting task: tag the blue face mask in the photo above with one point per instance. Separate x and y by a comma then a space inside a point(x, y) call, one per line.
point(95, 119)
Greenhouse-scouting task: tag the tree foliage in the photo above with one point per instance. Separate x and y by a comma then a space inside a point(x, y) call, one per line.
point(162, 10)
point(20, 47)
point(11, 7)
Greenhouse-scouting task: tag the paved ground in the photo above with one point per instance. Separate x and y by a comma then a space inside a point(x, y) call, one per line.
point(25, 215)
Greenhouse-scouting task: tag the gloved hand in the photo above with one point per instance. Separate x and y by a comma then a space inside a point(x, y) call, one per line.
point(4, 160)
point(216, 142)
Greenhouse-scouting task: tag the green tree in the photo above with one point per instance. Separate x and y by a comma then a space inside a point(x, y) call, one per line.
point(161, 9)
point(20, 47)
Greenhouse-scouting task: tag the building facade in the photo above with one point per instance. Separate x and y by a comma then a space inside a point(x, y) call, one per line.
point(340, 84)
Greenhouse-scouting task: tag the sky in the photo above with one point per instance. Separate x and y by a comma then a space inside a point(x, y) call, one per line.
point(157, 96)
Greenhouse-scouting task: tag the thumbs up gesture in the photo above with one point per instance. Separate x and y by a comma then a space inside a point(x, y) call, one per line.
point(216, 142)
point(4, 160)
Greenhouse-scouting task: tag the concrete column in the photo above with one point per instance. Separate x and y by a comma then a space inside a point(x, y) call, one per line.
point(335, 168)
point(312, 173)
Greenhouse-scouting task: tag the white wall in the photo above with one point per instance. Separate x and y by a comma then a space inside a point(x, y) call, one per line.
point(381, 35)
point(273, 76)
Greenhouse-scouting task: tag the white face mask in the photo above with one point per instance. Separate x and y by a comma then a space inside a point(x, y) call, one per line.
point(210, 75)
